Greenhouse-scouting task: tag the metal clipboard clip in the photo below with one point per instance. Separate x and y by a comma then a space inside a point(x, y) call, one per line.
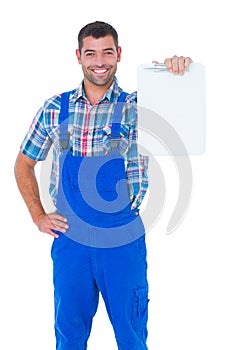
point(158, 67)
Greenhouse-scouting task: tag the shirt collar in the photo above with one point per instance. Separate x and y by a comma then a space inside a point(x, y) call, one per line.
point(111, 94)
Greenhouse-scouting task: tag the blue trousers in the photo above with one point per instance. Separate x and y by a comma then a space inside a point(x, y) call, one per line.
point(119, 274)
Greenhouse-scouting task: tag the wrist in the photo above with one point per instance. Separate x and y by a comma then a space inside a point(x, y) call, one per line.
point(37, 217)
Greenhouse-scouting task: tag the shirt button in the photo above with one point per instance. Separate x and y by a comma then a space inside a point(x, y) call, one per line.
point(136, 213)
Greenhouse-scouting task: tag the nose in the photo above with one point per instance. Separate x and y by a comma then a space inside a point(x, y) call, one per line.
point(99, 60)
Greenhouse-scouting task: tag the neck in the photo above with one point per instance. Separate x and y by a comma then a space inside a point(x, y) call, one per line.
point(93, 92)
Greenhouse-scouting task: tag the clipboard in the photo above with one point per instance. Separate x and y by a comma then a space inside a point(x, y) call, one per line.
point(171, 110)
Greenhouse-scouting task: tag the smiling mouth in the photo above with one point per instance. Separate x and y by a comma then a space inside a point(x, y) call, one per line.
point(99, 71)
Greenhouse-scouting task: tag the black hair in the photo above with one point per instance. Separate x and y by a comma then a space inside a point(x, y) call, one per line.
point(97, 30)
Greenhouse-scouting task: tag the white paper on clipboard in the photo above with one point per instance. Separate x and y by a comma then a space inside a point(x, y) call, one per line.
point(171, 110)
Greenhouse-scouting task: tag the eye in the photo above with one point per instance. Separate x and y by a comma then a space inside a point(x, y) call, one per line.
point(89, 54)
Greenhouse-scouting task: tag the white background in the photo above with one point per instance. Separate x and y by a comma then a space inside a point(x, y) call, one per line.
point(190, 271)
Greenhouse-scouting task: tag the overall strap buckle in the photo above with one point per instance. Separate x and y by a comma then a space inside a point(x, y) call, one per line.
point(64, 140)
point(114, 142)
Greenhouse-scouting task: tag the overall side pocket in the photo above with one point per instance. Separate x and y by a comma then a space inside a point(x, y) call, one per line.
point(140, 310)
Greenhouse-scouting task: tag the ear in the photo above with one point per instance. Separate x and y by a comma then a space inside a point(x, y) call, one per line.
point(119, 54)
point(78, 54)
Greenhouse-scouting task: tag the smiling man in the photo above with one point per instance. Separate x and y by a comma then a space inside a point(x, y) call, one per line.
point(99, 238)
point(98, 57)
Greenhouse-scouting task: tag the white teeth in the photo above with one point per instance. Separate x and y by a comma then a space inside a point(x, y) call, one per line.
point(100, 71)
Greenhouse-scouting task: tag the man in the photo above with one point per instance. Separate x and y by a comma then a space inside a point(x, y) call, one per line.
point(98, 181)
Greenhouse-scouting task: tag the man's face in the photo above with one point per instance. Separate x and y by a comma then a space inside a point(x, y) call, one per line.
point(99, 59)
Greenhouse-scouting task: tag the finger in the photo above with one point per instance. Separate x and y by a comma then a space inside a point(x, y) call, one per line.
point(57, 217)
point(155, 62)
point(187, 62)
point(57, 226)
point(175, 65)
point(181, 61)
point(52, 233)
point(60, 225)
point(49, 227)
point(55, 223)
point(168, 63)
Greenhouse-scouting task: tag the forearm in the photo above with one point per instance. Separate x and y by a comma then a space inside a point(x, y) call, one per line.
point(28, 187)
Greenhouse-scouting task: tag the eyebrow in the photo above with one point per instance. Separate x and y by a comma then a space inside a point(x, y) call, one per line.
point(107, 49)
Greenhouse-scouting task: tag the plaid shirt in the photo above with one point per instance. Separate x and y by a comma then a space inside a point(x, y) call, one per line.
point(89, 127)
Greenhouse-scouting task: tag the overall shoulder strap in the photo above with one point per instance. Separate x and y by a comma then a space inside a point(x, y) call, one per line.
point(116, 121)
point(64, 136)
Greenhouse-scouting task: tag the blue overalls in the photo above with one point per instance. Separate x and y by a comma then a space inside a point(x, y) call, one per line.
point(103, 250)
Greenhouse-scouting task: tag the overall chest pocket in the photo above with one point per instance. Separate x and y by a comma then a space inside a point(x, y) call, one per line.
point(100, 183)
point(101, 195)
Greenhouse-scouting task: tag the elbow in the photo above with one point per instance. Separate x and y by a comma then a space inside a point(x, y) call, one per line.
point(23, 165)
point(17, 166)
